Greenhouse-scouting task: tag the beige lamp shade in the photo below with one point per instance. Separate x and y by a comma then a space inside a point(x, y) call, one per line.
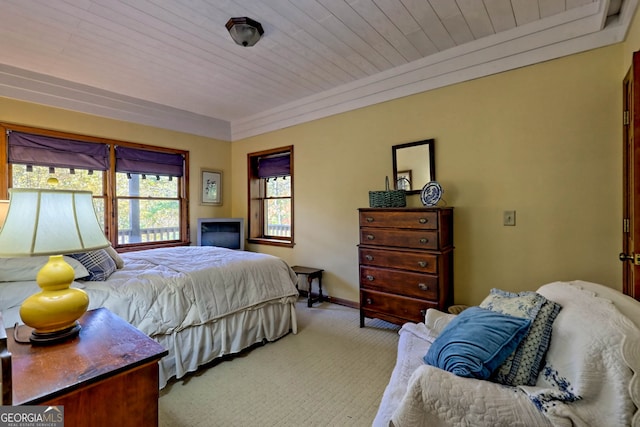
point(50, 222)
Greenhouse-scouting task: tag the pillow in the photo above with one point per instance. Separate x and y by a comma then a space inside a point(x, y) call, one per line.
point(435, 321)
point(26, 269)
point(523, 304)
point(99, 264)
point(476, 342)
point(115, 256)
point(523, 365)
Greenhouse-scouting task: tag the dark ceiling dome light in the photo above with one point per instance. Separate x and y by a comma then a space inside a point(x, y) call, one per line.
point(244, 31)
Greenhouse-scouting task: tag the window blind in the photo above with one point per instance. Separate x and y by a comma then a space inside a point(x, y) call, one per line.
point(136, 160)
point(274, 166)
point(32, 149)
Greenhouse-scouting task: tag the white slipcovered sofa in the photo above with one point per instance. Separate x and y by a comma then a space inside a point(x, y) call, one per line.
point(589, 376)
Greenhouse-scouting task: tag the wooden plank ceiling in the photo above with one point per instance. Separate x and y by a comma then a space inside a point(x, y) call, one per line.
point(178, 53)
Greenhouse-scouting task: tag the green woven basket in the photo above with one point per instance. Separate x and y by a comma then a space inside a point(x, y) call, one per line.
point(387, 198)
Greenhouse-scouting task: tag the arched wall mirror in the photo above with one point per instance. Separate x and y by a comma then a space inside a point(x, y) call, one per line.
point(414, 165)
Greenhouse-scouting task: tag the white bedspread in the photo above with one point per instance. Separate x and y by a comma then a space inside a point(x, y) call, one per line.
point(199, 302)
point(190, 285)
point(161, 291)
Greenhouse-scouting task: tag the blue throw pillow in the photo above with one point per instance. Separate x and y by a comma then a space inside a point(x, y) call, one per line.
point(476, 342)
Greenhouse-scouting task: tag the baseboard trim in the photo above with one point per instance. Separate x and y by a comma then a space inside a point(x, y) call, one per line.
point(343, 302)
point(333, 300)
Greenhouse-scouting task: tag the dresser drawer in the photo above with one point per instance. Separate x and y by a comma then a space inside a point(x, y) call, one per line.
point(416, 285)
point(413, 239)
point(399, 219)
point(424, 262)
point(409, 309)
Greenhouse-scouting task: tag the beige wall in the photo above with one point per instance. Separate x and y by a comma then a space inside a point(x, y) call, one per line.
point(544, 140)
point(203, 152)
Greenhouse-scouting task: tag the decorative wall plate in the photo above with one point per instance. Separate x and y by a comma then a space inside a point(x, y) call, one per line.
point(431, 194)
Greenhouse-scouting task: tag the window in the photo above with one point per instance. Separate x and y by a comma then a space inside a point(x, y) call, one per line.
point(140, 195)
point(147, 195)
point(271, 196)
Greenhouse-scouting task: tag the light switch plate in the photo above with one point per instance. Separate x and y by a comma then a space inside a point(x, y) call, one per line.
point(509, 218)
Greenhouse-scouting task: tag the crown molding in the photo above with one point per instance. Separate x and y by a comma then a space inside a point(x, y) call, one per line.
point(38, 88)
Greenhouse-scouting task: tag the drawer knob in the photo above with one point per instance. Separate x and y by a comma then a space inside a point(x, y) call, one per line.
point(423, 312)
point(424, 240)
point(369, 257)
point(422, 264)
point(423, 220)
point(369, 219)
point(369, 301)
point(370, 278)
point(370, 237)
point(423, 287)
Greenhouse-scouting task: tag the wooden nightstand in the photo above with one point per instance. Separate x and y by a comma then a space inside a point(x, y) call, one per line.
point(107, 376)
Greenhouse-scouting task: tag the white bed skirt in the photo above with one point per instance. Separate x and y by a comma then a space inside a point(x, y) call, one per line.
point(197, 345)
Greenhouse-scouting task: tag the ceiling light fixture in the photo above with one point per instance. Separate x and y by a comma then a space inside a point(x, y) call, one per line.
point(244, 31)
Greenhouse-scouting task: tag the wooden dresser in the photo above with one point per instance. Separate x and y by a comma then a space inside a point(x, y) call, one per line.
point(406, 262)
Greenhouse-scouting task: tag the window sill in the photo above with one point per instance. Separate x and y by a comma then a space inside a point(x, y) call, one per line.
point(271, 242)
point(133, 247)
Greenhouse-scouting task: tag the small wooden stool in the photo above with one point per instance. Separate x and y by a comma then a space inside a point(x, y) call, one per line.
point(311, 273)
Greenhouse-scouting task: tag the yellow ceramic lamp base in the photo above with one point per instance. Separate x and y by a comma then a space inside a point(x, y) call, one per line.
point(54, 311)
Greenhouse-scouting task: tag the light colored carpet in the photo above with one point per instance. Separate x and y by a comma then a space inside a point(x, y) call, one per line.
point(331, 373)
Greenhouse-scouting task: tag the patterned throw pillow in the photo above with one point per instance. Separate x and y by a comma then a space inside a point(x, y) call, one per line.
point(115, 256)
point(523, 365)
point(98, 263)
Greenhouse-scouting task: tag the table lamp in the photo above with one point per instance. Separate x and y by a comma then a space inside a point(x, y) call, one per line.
point(52, 222)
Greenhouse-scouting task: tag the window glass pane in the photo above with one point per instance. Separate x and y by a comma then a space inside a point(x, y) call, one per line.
point(150, 186)
point(98, 205)
point(37, 178)
point(278, 208)
point(278, 217)
point(278, 187)
point(142, 221)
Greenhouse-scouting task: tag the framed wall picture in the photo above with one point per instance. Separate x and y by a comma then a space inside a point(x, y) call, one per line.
point(210, 187)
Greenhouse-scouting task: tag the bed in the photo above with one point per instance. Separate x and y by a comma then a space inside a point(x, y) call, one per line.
point(199, 302)
point(590, 374)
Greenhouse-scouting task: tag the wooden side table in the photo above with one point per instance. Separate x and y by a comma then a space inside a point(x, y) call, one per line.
point(311, 273)
point(107, 376)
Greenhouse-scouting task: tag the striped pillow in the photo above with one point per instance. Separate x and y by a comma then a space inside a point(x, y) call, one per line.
point(98, 263)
